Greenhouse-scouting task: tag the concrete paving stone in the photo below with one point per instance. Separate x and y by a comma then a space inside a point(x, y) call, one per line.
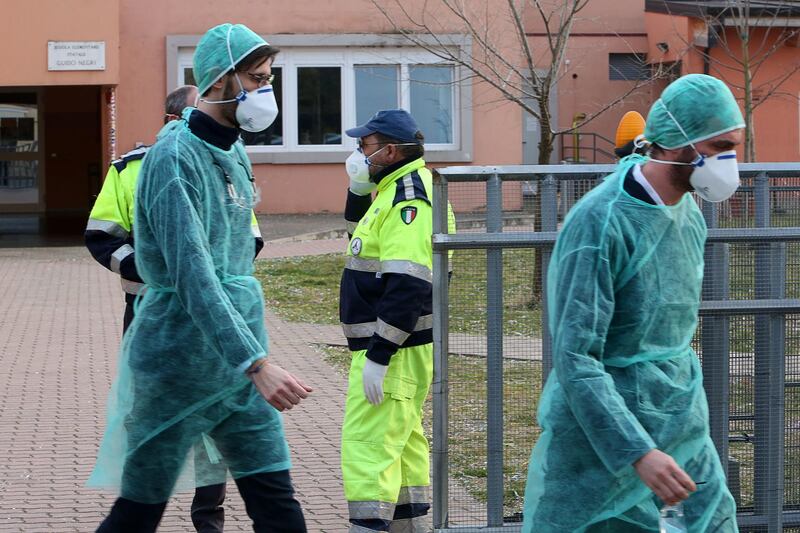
point(60, 329)
point(59, 334)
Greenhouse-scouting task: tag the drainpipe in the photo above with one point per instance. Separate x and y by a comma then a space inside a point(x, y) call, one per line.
point(712, 41)
point(576, 137)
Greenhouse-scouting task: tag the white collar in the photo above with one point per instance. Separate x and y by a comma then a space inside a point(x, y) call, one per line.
point(641, 180)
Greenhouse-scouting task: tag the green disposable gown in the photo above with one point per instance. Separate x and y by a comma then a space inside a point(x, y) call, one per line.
point(182, 411)
point(623, 291)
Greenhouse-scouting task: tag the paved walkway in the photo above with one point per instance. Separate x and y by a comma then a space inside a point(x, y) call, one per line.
point(60, 323)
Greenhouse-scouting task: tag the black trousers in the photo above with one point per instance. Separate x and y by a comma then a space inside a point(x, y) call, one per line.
point(268, 498)
point(208, 515)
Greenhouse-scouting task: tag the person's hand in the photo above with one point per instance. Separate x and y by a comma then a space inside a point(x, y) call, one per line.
point(280, 388)
point(372, 376)
point(362, 188)
point(665, 478)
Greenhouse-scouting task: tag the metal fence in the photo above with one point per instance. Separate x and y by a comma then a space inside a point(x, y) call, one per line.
point(492, 346)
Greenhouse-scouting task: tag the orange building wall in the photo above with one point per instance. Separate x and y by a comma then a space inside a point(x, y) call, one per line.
point(777, 120)
point(603, 27)
point(295, 188)
point(135, 35)
point(27, 26)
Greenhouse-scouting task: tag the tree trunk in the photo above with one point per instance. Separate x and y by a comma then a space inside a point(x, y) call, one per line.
point(546, 141)
point(546, 137)
point(749, 141)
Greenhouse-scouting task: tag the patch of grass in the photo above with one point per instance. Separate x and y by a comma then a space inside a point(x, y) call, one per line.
point(522, 304)
point(338, 357)
point(742, 394)
point(306, 289)
point(302, 289)
point(467, 420)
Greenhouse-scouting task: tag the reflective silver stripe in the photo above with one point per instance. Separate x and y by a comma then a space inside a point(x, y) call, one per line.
point(358, 331)
point(351, 226)
point(391, 333)
point(407, 267)
point(117, 257)
point(135, 151)
point(366, 329)
point(418, 524)
point(414, 495)
point(255, 230)
point(106, 226)
point(408, 183)
point(424, 322)
point(367, 510)
point(131, 287)
point(362, 265)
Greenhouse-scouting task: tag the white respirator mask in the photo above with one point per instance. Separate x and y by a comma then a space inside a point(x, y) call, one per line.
point(257, 109)
point(357, 166)
point(714, 178)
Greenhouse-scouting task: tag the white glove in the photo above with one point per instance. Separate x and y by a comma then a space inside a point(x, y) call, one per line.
point(362, 188)
point(373, 381)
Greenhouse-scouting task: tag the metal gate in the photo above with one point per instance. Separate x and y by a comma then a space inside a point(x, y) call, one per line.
point(492, 348)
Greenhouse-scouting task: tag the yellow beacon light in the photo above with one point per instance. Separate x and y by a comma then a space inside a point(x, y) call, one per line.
point(631, 126)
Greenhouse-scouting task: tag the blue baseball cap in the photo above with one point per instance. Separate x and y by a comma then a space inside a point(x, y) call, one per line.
point(395, 123)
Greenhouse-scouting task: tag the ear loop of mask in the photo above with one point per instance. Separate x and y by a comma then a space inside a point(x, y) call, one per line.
point(376, 151)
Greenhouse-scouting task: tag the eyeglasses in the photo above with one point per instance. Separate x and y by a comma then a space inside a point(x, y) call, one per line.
point(362, 144)
point(262, 79)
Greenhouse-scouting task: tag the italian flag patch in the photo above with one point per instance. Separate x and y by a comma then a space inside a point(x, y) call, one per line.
point(408, 214)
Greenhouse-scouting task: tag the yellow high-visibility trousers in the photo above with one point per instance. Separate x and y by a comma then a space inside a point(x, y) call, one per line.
point(385, 455)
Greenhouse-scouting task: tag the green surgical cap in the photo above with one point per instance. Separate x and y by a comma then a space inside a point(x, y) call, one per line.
point(700, 105)
point(220, 49)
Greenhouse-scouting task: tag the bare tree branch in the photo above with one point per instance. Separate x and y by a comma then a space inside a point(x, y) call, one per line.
point(523, 38)
point(488, 59)
point(774, 88)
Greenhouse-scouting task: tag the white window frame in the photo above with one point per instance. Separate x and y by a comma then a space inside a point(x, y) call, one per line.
point(344, 51)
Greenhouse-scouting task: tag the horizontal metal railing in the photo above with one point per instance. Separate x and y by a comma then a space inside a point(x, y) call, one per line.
point(770, 307)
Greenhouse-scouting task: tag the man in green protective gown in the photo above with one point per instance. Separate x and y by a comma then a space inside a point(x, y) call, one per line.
point(193, 372)
point(623, 414)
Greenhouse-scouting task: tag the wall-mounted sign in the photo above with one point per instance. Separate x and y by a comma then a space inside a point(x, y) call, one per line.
point(76, 55)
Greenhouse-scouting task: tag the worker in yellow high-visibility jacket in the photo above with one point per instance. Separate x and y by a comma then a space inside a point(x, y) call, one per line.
point(386, 313)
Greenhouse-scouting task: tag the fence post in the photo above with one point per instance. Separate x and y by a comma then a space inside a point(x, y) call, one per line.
point(494, 355)
point(769, 375)
point(549, 210)
point(441, 328)
point(715, 339)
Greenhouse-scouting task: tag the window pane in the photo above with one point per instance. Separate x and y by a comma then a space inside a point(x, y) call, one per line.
point(319, 105)
point(628, 67)
point(19, 182)
point(274, 134)
point(432, 102)
point(188, 76)
point(376, 89)
point(19, 130)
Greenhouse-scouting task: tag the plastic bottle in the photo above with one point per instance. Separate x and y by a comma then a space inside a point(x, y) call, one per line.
point(671, 520)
